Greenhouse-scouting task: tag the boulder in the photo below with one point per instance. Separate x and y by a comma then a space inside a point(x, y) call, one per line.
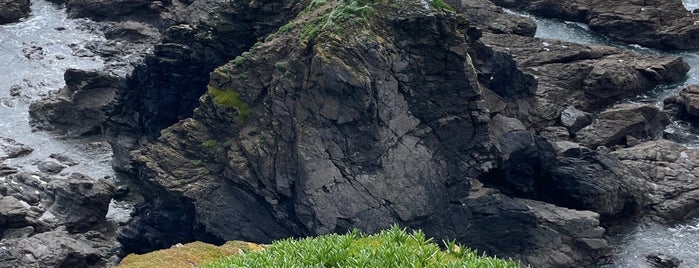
point(661, 24)
point(597, 181)
point(685, 105)
point(549, 236)
point(57, 249)
point(613, 125)
point(671, 170)
point(589, 78)
point(76, 109)
point(10, 148)
point(106, 10)
point(659, 260)
point(50, 167)
point(80, 202)
point(574, 119)
point(491, 18)
point(13, 10)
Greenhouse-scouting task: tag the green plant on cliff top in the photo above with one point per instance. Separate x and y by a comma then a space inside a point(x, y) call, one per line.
point(389, 248)
point(345, 10)
point(229, 98)
point(441, 5)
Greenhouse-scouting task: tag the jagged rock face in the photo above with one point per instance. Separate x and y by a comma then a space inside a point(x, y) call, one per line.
point(167, 86)
point(76, 109)
point(51, 222)
point(685, 105)
point(672, 170)
point(613, 126)
point(491, 18)
point(364, 126)
point(589, 78)
point(661, 24)
point(13, 10)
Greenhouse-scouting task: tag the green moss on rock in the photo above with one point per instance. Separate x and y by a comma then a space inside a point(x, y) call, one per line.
point(231, 99)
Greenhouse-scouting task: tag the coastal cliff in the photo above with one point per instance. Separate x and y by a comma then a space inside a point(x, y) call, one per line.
point(262, 120)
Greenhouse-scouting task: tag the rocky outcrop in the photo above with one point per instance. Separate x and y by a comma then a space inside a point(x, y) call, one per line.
point(614, 126)
point(685, 105)
point(671, 170)
point(13, 10)
point(589, 78)
point(208, 34)
point(491, 18)
point(323, 129)
point(57, 249)
point(75, 110)
point(661, 24)
point(107, 10)
point(10, 148)
point(64, 215)
point(550, 236)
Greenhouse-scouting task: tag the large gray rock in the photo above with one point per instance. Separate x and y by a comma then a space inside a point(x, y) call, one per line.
point(10, 148)
point(661, 24)
point(76, 109)
point(574, 119)
point(672, 171)
point(51, 222)
point(80, 203)
point(612, 126)
point(13, 10)
point(549, 236)
point(589, 78)
point(597, 181)
point(491, 18)
point(57, 249)
point(685, 105)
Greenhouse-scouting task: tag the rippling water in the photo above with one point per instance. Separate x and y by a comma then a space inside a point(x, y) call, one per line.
point(630, 248)
point(34, 54)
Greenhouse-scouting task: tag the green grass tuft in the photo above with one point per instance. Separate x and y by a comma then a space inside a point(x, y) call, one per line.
point(441, 5)
point(390, 248)
point(229, 98)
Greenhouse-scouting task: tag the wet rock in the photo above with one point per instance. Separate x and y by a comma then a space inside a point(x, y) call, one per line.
point(553, 236)
point(659, 260)
point(589, 78)
point(64, 159)
point(613, 125)
point(57, 249)
point(555, 133)
point(574, 119)
point(597, 181)
point(131, 31)
point(491, 18)
point(7, 170)
point(50, 167)
point(23, 232)
point(80, 202)
point(13, 10)
point(685, 105)
point(76, 109)
point(671, 169)
point(570, 149)
point(661, 24)
point(9, 148)
point(105, 10)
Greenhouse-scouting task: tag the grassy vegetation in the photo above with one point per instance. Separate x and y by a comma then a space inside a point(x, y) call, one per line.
point(229, 98)
point(345, 10)
point(390, 248)
point(187, 255)
point(441, 5)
